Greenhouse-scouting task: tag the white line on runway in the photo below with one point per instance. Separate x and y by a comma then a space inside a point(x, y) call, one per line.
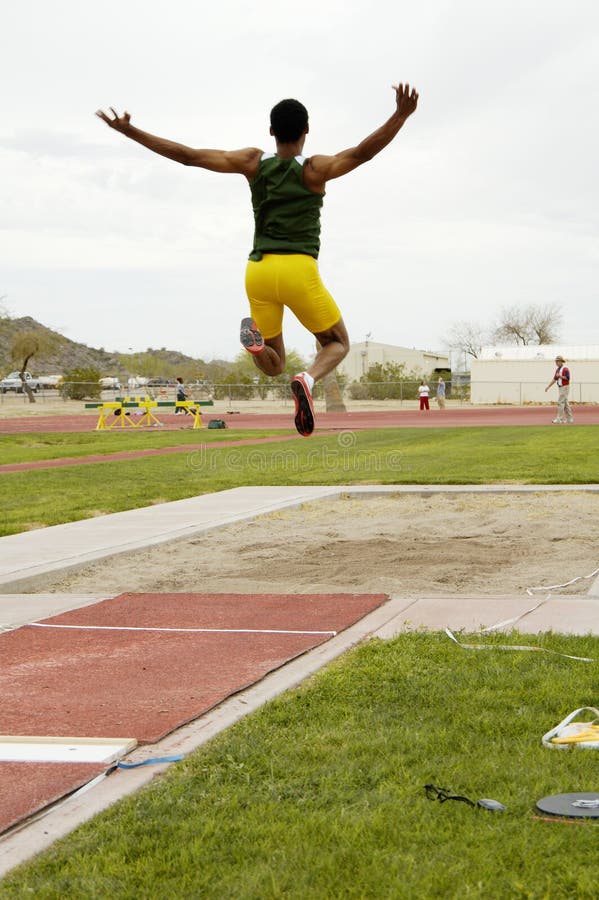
point(184, 630)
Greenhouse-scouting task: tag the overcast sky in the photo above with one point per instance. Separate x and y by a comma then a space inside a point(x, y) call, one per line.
point(487, 198)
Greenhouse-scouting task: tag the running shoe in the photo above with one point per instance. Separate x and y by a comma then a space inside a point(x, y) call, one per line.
point(250, 337)
point(304, 411)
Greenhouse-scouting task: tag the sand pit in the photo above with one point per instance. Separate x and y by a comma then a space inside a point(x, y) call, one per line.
point(404, 545)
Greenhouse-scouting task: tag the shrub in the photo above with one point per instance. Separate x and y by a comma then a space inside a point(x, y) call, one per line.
point(82, 384)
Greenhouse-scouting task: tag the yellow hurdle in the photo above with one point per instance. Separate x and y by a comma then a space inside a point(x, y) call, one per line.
point(119, 409)
point(110, 408)
point(193, 408)
point(148, 417)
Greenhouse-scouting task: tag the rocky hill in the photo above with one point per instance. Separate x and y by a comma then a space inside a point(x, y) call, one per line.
point(59, 354)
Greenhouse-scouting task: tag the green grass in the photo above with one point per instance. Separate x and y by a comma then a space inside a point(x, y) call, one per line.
point(37, 498)
point(31, 447)
point(320, 793)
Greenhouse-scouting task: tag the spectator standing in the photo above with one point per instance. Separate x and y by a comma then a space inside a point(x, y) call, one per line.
point(561, 377)
point(441, 393)
point(181, 395)
point(423, 393)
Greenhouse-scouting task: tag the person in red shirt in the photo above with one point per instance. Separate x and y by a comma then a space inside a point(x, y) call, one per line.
point(562, 379)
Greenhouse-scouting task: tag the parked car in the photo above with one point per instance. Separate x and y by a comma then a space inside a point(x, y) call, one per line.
point(161, 382)
point(49, 381)
point(109, 382)
point(13, 382)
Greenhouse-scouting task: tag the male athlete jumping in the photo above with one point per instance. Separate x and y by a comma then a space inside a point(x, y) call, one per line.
point(287, 191)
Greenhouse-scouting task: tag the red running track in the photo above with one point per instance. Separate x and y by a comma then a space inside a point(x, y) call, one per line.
point(141, 665)
point(357, 420)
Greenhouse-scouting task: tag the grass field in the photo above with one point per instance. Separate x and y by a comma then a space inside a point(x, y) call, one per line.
point(320, 794)
point(37, 498)
point(30, 447)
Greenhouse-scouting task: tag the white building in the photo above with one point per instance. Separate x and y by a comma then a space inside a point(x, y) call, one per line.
point(505, 374)
point(368, 353)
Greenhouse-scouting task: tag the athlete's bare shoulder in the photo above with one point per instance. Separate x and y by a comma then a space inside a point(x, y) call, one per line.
point(315, 174)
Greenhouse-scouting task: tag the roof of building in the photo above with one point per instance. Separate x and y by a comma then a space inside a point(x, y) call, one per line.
point(361, 345)
point(538, 351)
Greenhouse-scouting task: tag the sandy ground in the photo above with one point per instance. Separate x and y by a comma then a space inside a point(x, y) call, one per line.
point(404, 545)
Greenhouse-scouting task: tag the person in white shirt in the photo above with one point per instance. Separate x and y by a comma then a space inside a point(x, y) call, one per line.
point(423, 392)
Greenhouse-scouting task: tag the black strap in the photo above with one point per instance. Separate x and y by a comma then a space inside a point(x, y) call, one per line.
point(442, 794)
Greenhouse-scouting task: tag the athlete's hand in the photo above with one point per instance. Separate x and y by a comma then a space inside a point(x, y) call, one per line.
point(119, 123)
point(406, 101)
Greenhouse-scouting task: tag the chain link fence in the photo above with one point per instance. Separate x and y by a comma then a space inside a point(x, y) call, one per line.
point(479, 393)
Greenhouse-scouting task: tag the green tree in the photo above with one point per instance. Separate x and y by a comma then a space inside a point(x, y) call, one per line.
point(388, 381)
point(245, 372)
point(384, 381)
point(235, 386)
point(82, 384)
point(293, 363)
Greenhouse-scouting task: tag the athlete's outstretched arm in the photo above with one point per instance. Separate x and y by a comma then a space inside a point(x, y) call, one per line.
point(320, 169)
point(242, 162)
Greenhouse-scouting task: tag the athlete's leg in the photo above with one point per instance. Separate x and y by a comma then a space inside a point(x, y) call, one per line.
point(293, 280)
point(265, 328)
point(334, 346)
point(318, 312)
point(271, 360)
point(306, 296)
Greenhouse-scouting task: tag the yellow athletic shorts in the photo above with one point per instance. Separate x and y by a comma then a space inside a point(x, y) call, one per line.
point(293, 280)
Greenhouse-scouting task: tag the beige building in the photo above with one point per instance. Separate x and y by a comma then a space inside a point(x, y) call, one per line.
point(368, 353)
point(505, 374)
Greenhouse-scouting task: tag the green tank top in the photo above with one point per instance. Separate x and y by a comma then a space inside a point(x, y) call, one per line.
point(286, 212)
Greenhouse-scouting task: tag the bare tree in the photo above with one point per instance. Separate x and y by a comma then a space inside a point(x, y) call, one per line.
point(513, 327)
point(468, 337)
point(24, 346)
point(546, 322)
point(533, 324)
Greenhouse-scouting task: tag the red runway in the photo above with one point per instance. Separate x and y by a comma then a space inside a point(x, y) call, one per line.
point(141, 665)
point(348, 421)
point(360, 420)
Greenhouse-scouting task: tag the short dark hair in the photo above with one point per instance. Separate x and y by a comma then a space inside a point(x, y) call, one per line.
point(288, 120)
